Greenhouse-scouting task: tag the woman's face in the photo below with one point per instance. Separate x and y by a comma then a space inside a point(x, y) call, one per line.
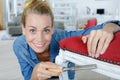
point(38, 30)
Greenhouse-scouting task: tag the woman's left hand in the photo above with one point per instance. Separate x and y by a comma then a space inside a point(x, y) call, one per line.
point(98, 41)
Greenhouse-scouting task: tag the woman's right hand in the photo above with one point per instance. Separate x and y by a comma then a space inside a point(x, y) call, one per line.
point(45, 70)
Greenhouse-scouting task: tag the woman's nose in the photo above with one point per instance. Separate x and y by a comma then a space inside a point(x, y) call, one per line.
point(39, 36)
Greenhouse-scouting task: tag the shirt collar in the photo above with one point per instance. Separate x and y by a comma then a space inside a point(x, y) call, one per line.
point(32, 53)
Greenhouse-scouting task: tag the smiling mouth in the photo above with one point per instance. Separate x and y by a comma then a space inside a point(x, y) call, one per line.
point(39, 45)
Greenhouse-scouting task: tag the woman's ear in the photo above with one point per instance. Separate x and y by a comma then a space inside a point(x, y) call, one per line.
point(23, 29)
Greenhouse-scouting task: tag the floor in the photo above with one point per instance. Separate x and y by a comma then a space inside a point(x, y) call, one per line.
point(10, 70)
point(90, 75)
point(9, 67)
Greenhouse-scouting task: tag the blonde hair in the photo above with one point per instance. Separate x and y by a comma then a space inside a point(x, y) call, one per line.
point(37, 7)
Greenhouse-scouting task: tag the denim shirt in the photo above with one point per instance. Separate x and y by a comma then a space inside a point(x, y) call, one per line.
point(27, 57)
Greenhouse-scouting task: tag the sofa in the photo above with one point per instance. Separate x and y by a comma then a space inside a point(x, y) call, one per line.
point(14, 27)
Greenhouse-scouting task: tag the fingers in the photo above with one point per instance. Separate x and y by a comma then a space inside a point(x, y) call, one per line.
point(90, 41)
point(43, 72)
point(98, 42)
point(42, 76)
point(108, 39)
point(99, 47)
point(85, 38)
point(103, 43)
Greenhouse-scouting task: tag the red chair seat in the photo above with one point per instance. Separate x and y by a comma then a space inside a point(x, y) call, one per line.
point(75, 44)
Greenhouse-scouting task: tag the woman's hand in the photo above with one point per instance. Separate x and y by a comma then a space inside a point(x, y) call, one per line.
point(97, 42)
point(45, 70)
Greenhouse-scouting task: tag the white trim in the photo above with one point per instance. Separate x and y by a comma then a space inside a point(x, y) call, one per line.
point(104, 68)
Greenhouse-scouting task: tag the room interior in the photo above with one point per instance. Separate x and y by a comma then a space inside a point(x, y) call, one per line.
point(69, 15)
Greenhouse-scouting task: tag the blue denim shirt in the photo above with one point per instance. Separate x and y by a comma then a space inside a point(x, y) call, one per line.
point(27, 57)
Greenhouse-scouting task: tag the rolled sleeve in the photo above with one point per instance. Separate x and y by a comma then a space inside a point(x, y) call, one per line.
point(112, 21)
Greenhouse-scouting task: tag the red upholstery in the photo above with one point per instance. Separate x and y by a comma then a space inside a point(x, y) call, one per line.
point(91, 22)
point(75, 44)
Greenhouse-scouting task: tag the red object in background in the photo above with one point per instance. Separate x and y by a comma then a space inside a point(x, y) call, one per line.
point(91, 22)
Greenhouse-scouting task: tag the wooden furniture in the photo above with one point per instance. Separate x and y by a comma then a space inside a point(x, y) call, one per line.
point(2, 24)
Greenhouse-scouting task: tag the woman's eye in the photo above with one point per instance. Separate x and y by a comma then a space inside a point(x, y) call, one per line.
point(32, 30)
point(46, 30)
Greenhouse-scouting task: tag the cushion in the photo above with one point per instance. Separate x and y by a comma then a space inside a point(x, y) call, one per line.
point(75, 44)
point(91, 22)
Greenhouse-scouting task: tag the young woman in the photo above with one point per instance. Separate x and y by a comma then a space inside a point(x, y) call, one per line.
point(37, 48)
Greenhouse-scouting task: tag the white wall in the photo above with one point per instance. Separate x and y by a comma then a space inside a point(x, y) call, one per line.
point(110, 6)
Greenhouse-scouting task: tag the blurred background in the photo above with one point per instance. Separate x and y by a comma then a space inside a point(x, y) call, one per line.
point(69, 15)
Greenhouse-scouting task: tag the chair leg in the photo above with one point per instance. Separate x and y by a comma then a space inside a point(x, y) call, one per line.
point(61, 61)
